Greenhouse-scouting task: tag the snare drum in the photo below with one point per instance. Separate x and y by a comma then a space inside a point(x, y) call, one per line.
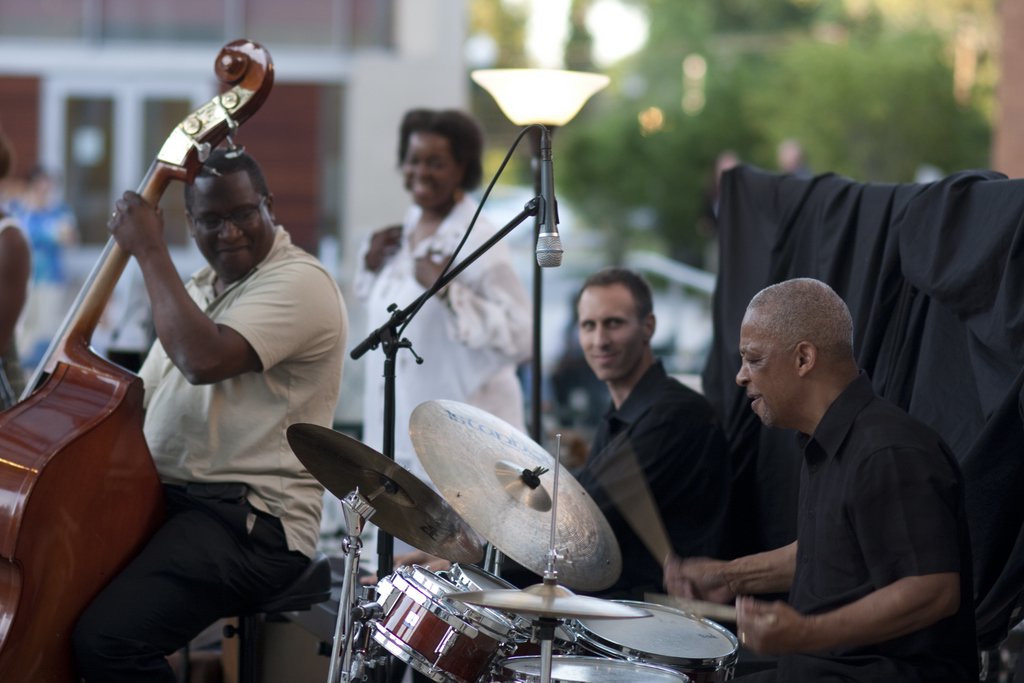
point(671, 638)
point(443, 639)
point(565, 669)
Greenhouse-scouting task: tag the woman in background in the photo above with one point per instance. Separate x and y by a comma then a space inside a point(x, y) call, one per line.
point(475, 332)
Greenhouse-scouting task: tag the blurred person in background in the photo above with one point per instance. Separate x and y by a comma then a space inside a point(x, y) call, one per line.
point(707, 220)
point(51, 228)
point(15, 269)
point(790, 158)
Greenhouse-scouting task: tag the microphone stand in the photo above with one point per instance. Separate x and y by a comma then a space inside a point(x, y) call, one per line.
point(387, 337)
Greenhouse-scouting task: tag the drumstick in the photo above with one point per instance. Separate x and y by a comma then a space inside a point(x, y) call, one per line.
point(700, 608)
point(620, 475)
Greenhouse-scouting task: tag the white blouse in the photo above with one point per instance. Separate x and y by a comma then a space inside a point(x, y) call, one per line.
point(471, 341)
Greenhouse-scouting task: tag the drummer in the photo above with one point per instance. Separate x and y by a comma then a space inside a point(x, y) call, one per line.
point(879, 578)
point(655, 426)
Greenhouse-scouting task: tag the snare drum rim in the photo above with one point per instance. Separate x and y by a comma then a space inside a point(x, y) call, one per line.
point(439, 585)
point(585, 637)
point(462, 576)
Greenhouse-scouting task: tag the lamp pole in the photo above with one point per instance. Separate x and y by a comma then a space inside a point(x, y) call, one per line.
point(551, 97)
point(536, 378)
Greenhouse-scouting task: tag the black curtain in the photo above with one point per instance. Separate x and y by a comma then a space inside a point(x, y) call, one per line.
point(933, 274)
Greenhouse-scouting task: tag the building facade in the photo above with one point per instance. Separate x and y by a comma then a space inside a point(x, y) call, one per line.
point(91, 88)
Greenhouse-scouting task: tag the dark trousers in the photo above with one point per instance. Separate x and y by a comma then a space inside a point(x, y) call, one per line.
point(210, 559)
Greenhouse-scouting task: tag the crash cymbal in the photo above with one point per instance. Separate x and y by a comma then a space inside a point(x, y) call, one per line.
point(500, 481)
point(405, 507)
point(547, 600)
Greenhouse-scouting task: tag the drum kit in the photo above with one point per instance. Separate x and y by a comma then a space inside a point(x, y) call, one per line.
point(466, 624)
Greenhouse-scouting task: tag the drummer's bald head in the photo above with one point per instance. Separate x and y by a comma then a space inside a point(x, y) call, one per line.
point(805, 309)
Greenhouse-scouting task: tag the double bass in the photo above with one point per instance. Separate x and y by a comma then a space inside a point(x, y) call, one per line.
point(79, 493)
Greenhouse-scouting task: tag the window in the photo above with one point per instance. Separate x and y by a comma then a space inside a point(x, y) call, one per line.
point(337, 24)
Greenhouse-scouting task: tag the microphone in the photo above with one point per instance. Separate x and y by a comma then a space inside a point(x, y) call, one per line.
point(549, 244)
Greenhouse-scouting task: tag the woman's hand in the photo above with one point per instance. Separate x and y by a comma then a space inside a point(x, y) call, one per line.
point(430, 267)
point(383, 246)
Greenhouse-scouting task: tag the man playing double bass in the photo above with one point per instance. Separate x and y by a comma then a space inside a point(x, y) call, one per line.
point(251, 344)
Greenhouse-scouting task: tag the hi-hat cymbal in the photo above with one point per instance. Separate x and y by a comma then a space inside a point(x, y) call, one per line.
point(500, 481)
point(550, 600)
point(405, 506)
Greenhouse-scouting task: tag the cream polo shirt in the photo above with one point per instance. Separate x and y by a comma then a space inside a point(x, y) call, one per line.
point(291, 312)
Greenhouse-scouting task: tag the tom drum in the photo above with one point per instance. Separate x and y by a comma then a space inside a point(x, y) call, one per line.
point(571, 669)
point(702, 649)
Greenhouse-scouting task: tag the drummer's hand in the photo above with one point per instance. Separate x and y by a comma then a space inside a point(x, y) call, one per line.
point(697, 578)
point(770, 627)
point(423, 559)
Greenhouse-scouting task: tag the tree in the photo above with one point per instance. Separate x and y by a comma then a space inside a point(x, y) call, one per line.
point(874, 109)
point(869, 94)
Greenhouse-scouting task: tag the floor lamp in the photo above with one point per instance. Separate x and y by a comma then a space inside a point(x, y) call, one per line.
point(551, 97)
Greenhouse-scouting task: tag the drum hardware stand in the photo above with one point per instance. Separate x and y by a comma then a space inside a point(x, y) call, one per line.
point(357, 510)
point(544, 627)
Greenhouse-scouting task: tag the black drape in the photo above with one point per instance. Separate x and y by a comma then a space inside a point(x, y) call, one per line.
point(933, 274)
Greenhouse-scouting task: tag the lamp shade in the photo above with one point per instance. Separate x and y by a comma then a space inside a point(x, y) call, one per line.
point(548, 96)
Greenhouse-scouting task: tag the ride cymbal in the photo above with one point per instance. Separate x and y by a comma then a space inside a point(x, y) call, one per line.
point(500, 481)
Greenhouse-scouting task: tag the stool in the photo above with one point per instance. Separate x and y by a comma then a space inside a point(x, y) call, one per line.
point(311, 587)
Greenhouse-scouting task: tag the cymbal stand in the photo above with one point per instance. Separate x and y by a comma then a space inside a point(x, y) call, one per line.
point(357, 510)
point(546, 625)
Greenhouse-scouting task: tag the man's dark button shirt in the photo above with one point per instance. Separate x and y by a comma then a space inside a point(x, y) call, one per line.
point(881, 498)
point(683, 456)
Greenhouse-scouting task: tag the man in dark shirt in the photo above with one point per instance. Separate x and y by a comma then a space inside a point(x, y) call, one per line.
point(658, 467)
point(879, 578)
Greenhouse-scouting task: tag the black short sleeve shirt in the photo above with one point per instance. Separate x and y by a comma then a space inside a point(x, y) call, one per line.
point(881, 498)
point(682, 453)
